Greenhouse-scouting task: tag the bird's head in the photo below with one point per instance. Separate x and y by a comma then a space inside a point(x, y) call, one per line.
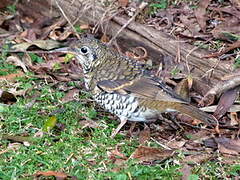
point(88, 52)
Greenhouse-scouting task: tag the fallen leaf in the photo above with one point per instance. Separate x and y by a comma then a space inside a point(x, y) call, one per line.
point(71, 95)
point(117, 154)
point(84, 26)
point(149, 154)
point(234, 118)
point(226, 32)
point(235, 3)
point(174, 144)
point(5, 3)
point(225, 150)
point(225, 145)
point(183, 89)
point(49, 124)
point(201, 13)
point(233, 108)
point(197, 158)
point(117, 158)
point(57, 34)
point(123, 3)
point(104, 38)
point(225, 102)
point(58, 175)
point(12, 77)
point(88, 124)
point(144, 135)
point(43, 44)
point(192, 27)
point(48, 66)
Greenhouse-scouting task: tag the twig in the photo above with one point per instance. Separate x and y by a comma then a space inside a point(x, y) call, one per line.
point(140, 8)
point(65, 16)
point(231, 47)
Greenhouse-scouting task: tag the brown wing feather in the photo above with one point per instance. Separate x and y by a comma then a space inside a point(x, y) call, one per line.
point(142, 87)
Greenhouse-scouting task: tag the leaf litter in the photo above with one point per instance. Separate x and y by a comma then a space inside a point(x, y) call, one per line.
point(208, 20)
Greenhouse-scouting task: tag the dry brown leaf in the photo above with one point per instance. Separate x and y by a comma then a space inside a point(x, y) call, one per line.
point(71, 95)
point(233, 108)
point(228, 145)
point(88, 124)
point(118, 159)
point(84, 27)
point(5, 3)
point(197, 158)
point(123, 3)
point(183, 89)
point(58, 175)
point(235, 2)
point(192, 26)
point(234, 118)
point(176, 144)
point(57, 34)
point(29, 34)
point(225, 145)
point(116, 154)
point(104, 38)
point(225, 31)
point(148, 154)
point(47, 66)
point(144, 135)
point(225, 102)
point(43, 44)
point(225, 150)
point(200, 13)
point(12, 77)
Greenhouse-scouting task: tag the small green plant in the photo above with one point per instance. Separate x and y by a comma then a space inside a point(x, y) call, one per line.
point(175, 71)
point(5, 49)
point(158, 4)
point(237, 62)
point(6, 69)
point(78, 29)
point(57, 66)
point(35, 58)
point(235, 170)
point(12, 8)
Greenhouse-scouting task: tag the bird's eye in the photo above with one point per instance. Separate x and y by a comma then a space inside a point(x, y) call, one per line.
point(84, 50)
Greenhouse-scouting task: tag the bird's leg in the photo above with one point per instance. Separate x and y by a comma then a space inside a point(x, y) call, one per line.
point(122, 123)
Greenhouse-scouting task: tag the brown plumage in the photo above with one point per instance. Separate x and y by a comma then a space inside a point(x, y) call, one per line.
point(123, 87)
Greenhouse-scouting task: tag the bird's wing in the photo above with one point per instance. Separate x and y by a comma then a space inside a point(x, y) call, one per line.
point(143, 87)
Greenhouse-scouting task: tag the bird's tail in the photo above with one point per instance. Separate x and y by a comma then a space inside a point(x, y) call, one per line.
point(181, 107)
point(195, 113)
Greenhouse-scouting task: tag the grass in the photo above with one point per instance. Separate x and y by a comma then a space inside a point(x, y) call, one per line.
point(71, 149)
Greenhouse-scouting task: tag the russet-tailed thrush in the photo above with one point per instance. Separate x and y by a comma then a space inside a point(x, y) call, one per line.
point(123, 87)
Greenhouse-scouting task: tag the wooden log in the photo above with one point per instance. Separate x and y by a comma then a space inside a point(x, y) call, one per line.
point(158, 44)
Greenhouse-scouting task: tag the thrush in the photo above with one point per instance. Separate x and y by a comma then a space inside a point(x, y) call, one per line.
point(123, 87)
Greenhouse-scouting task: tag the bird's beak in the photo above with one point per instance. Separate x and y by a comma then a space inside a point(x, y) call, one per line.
point(65, 50)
